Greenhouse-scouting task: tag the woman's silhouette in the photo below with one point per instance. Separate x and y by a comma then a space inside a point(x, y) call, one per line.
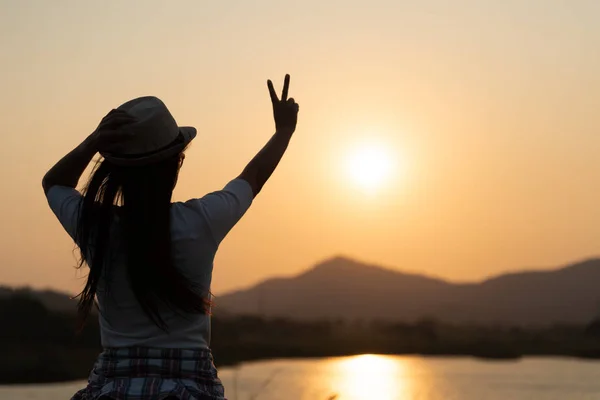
point(150, 261)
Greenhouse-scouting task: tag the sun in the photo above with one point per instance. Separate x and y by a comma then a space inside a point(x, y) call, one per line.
point(370, 166)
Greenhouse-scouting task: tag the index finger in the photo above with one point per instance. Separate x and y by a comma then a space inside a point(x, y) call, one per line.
point(118, 119)
point(116, 115)
point(116, 112)
point(274, 98)
point(286, 86)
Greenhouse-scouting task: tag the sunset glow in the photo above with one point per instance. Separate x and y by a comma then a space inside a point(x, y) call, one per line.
point(457, 139)
point(370, 376)
point(370, 166)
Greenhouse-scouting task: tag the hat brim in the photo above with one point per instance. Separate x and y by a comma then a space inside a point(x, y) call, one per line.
point(186, 135)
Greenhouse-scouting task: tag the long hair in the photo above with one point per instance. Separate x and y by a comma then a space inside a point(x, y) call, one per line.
point(142, 196)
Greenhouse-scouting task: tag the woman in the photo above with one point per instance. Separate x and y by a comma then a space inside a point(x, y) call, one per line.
point(150, 261)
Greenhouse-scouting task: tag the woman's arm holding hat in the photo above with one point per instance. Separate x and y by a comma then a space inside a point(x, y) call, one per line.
point(68, 170)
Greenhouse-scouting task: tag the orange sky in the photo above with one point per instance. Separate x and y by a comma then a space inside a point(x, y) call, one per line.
point(491, 109)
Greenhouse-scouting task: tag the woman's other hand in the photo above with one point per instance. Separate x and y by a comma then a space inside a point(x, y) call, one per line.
point(112, 130)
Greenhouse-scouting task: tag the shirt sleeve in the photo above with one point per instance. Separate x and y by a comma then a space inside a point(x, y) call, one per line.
point(224, 208)
point(65, 203)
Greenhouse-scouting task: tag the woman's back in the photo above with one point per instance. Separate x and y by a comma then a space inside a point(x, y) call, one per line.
point(197, 228)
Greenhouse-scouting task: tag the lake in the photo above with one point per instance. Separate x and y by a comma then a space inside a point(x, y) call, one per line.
point(387, 378)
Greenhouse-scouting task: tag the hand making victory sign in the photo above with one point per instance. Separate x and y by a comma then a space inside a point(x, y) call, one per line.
point(285, 111)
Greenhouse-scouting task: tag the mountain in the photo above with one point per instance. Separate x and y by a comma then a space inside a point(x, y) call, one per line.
point(52, 300)
point(341, 288)
point(347, 289)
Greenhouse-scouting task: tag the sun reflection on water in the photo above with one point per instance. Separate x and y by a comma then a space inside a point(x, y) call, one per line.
point(369, 377)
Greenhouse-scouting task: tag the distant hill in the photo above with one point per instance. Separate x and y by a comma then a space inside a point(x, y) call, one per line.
point(52, 300)
point(347, 289)
point(341, 288)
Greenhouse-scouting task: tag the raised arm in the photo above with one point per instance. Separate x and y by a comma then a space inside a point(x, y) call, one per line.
point(68, 170)
point(285, 113)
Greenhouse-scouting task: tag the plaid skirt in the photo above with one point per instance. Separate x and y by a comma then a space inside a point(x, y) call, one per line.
point(153, 374)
